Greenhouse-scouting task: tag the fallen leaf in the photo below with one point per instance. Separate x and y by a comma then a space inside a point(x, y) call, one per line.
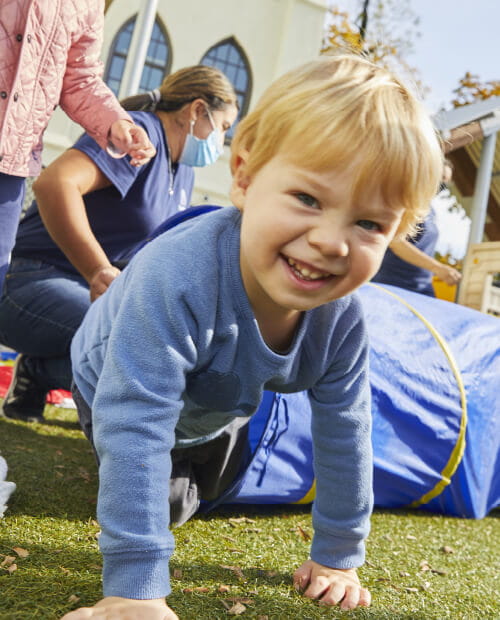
point(262, 617)
point(410, 537)
point(439, 571)
point(446, 549)
point(201, 589)
point(11, 568)
point(177, 573)
point(223, 588)
point(237, 520)
point(425, 586)
point(73, 598)
point(403, 573)
point(240, 599)
point(8, 560)
point(237, 609)
point(424, 566)
point(236, 570)
point(303, 534)
point(230, 538)
point(411, 589)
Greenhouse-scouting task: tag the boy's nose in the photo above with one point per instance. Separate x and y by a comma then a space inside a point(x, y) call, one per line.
point(330, 241)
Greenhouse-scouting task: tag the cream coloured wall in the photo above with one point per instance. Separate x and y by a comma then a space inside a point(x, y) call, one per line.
point(275, 35)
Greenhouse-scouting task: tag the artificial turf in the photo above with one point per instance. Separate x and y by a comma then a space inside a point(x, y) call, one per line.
point(237, 561)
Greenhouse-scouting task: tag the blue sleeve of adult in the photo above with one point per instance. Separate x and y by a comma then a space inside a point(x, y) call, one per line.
point(118, 171)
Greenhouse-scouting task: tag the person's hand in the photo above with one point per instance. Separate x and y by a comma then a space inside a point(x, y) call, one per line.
point(113, 607)
point(126, 138)
point(101, 279)
point(447, 274)
point(331, 586)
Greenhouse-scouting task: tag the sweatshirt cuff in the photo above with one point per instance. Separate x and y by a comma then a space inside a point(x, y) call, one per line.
point(337, 552)
point(139, 577)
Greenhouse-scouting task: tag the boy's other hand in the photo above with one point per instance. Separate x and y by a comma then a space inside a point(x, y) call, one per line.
point(331, 586)
point(124, 608)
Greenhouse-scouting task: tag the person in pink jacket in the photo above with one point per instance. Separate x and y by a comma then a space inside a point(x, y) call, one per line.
point(49, 56)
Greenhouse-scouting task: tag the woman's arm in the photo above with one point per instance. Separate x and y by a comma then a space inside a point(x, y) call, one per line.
point(59, 192)
point(411, 254)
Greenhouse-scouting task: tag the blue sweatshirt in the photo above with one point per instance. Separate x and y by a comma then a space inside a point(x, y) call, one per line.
point(171, 354)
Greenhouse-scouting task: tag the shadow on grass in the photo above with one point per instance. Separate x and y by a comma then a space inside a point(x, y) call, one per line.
point(55, 474)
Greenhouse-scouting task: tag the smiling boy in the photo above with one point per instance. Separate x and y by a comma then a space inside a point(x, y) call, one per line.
point(336, 159)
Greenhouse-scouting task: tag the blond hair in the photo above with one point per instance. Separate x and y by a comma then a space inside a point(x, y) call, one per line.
point(340, 109)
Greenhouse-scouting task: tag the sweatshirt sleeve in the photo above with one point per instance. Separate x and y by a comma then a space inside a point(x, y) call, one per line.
point(85, 97)
point(343, 462)
point(136, 406)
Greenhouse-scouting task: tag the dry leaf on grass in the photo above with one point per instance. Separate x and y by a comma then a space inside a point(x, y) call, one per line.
point(302, 533)
point(236, 570)
point(7, 560)
point(237, 609)
point(425, 566)
point(446, 549)
point(11, 568)
point(177, 573)
point(234, 521)
point(73, 598)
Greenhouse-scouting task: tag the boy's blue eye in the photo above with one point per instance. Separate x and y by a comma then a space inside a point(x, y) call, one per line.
point(306, 199)
point(368, 225)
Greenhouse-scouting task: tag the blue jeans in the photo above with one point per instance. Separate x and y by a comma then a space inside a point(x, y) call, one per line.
point(41, 308)
point(12, 191)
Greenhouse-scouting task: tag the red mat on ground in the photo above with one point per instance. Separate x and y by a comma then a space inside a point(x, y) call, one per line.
point(55, 397)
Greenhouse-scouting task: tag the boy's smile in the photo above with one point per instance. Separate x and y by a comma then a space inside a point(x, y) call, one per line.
point(305, 241)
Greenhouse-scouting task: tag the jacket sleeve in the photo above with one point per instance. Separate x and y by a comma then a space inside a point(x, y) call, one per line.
point(343, 463)
point(137, 402)
point(85, 97)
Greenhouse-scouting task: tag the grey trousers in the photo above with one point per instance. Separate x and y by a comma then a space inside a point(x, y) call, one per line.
point(200, 472)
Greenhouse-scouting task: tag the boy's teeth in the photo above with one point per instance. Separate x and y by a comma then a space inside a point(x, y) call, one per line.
point(304, 271)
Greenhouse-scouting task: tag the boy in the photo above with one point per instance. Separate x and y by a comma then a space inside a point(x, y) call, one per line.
point(336, 159)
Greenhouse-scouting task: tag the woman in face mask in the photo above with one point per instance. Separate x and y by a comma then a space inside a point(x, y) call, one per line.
point(91, 210)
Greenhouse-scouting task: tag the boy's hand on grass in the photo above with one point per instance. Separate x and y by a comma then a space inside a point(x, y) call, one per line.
point(331, 586)
point(124, 609)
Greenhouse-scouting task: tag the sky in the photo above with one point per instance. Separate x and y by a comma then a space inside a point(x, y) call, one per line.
point(456, 36)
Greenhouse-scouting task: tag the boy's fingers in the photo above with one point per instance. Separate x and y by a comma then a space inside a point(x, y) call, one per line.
point(365, 598)
point(317, 588)
point(334, 594)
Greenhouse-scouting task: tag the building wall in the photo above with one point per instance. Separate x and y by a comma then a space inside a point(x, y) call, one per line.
point(275, 35)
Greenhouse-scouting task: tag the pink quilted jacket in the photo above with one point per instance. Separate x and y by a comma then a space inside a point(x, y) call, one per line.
point(49, 56)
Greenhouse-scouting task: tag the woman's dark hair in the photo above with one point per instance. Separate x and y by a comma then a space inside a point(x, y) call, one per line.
point(184, 86)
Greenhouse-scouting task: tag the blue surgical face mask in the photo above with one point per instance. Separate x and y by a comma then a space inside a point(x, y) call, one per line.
point(198, 152)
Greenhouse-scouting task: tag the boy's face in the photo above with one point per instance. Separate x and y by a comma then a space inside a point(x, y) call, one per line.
point(304, 241)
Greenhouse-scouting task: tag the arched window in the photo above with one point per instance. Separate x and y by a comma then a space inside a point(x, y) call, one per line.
point(231, 60)
point(158, 57)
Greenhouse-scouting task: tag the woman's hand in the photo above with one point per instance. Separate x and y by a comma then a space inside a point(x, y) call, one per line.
point(126, 138)
point(447, 274)
point(101, 279)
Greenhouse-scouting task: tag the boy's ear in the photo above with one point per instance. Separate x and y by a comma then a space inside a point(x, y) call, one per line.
point(241, 180)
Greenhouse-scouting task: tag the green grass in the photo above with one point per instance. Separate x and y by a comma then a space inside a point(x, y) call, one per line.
point(419, 565)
